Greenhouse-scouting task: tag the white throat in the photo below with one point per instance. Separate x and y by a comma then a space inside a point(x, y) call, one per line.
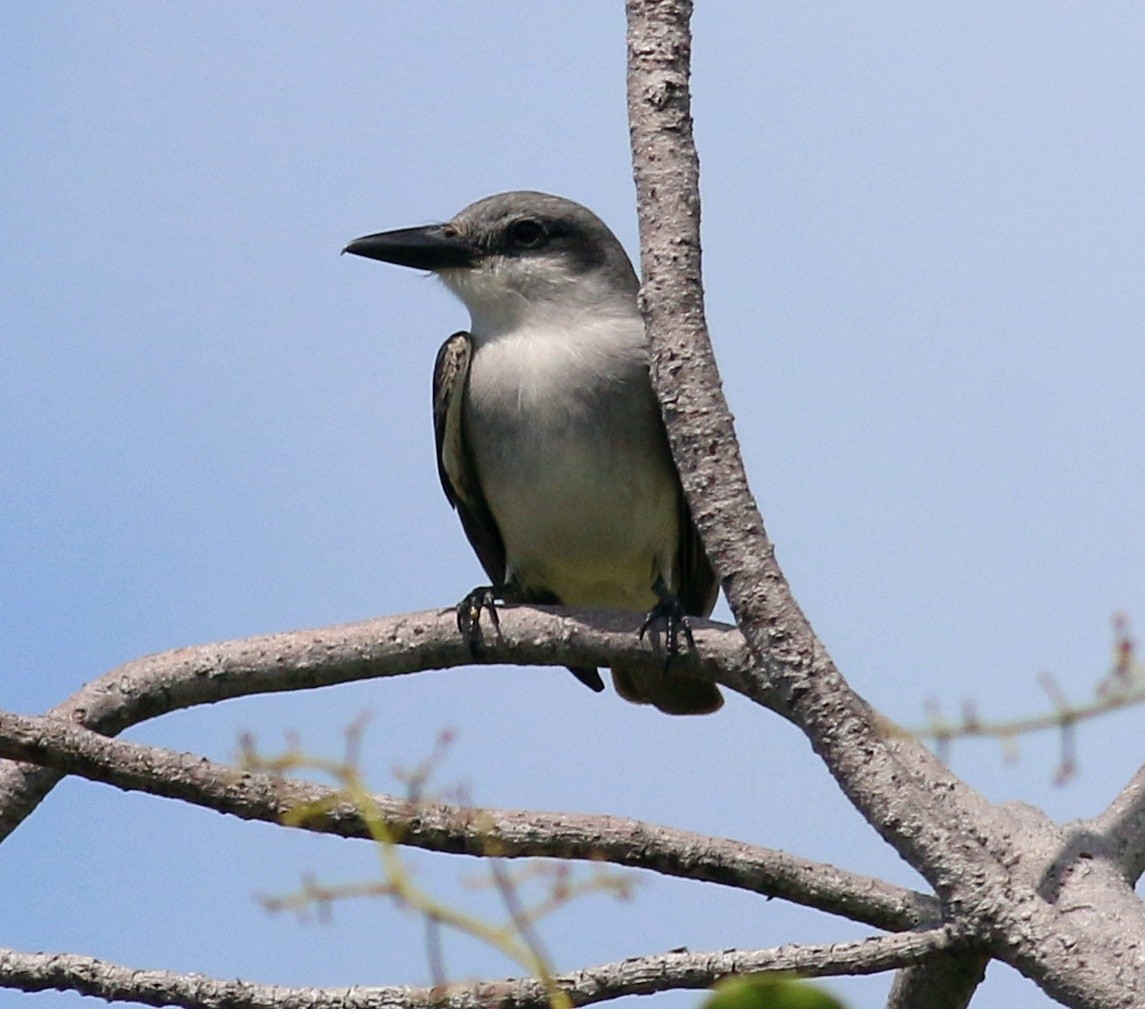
point(507, 296)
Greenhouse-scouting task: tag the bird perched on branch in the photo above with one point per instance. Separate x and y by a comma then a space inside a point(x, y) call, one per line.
point(550, 442)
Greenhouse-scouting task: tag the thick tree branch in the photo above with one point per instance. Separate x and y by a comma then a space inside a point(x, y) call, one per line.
point(946, 982)
point(1122, 827)
point(637, 976)
point(459, 830)
point(388, 646)
point(961, 845)
point(1056, 902)
point(887, 779)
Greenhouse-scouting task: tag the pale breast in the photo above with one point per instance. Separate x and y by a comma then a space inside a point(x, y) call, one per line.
point(572, 458)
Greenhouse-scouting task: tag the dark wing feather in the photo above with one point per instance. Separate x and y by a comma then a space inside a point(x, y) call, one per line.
point(698, 586)
point(455, 459)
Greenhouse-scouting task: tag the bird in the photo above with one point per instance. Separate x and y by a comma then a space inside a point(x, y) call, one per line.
point(550, 442)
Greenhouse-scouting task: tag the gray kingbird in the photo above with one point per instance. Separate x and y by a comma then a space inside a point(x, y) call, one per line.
point(550, 442)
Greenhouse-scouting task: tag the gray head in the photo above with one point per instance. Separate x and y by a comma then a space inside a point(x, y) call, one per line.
point(517, 255)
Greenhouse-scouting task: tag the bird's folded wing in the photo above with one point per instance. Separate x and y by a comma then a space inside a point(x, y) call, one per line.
point(455, 459)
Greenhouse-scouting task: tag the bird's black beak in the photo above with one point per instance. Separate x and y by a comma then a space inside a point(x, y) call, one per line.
point(434, 247)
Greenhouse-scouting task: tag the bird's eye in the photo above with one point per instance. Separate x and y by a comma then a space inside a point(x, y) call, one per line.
point(528, 234)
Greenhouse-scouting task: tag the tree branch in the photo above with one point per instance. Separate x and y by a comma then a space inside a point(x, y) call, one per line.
point(1052, 901)
point(469, 831)
point(1122, 827)
point(964, 847)
point(636, 976)
point(888, 780)
point(388, 646)
point(946, 982)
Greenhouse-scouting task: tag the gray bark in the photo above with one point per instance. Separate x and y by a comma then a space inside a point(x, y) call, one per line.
point(1063, 915)
point(1054, 901)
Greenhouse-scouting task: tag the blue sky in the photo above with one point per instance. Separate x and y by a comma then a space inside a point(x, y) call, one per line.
point(923, 248)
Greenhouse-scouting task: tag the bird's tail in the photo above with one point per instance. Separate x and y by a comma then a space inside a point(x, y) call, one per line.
point(673, 695)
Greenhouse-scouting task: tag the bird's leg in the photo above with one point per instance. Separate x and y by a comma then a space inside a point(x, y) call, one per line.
point(484, 597)
point(669, 609)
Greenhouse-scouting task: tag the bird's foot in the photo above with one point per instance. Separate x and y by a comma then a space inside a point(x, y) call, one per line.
point(482, 598)
point(669, 609)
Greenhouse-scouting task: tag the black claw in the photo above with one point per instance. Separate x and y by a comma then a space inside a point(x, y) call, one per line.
point(484, 597)
point(669, 609)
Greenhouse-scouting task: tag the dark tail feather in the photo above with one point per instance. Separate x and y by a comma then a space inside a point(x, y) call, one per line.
point(589, 676)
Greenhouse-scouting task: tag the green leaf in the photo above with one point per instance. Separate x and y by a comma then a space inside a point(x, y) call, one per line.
point(769, 991)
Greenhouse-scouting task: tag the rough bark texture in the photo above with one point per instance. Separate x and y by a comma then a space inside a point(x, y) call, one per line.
point(1055, 901)
point(464, 830)
point(943, 983)
point(390, 646)
point(967, 850)
point(638, 976)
